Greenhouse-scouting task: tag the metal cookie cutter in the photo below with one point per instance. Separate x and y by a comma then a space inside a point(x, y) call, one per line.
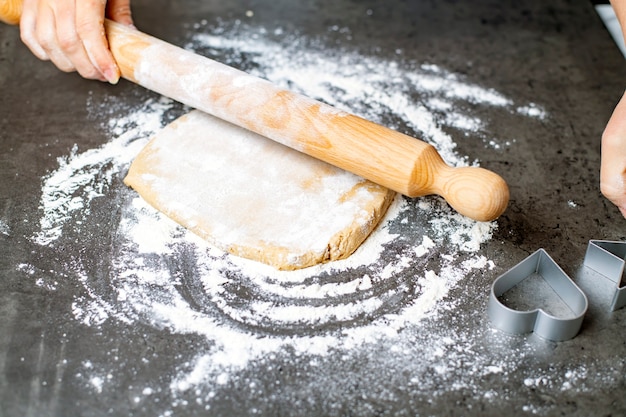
point(537, 320)
point(608, 258)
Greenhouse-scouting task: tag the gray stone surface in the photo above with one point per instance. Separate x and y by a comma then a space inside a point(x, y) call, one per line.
point(555, 53)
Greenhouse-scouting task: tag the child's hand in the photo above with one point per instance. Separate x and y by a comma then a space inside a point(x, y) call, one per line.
point(70, 33)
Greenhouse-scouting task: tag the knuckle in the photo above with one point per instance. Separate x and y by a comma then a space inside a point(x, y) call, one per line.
point(86, 28)
point(47, 44)
point(89, 73)
point(613, 187)
point(614, 134)
point(28, 39)
point(63, 64)
point(46, 38)
point(606, 189)
point(69, 42)
point(608, 135)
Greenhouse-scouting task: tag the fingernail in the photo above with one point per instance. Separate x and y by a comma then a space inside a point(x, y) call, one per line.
point(111, 76)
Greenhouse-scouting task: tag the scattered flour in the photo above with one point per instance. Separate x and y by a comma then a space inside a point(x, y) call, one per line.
point(81, 177)
point(4, 228)
point(246, 310)
point(533, 110)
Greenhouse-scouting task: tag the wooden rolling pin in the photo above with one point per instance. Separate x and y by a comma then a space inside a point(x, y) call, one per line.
point(384, 156)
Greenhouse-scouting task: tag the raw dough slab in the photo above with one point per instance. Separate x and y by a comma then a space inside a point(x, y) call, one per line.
point(253, 197)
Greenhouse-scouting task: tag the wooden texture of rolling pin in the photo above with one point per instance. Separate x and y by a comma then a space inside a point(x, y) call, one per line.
point(384, 156)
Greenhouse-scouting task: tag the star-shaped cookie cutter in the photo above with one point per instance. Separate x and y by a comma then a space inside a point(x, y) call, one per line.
point(537, 320)
point(608, 259)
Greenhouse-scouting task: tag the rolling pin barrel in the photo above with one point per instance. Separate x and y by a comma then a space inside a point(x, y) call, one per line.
point(384, 156)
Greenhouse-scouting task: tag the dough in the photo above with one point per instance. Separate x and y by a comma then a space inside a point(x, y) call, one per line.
point(253, 197)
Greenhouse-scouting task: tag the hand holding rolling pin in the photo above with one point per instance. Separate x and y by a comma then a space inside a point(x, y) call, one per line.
point(70, 33)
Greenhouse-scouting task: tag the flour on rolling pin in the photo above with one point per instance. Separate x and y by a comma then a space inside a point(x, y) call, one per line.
point(253, 197)
point(199, 78)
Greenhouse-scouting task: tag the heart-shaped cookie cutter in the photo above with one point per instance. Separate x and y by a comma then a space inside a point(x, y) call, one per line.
point(536, 320)
point(608, 258)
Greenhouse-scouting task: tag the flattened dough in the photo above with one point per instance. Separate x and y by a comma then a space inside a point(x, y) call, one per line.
point(253, 197)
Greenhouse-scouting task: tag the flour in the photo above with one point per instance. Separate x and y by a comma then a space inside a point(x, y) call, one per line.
point(82, 177)
point(248, 312)
point(533, 110)
point(4, 228)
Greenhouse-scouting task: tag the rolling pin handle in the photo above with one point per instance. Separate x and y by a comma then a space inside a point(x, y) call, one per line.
point(472, 191)
point(10, 11)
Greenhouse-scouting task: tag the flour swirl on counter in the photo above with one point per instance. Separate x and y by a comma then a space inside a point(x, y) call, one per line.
point(165, 276)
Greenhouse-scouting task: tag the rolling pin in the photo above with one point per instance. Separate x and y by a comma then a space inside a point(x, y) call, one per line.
point(389, 158)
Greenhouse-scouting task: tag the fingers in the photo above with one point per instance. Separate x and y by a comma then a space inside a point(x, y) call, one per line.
point(28, 28)
point(70, 33)
point(90, 29)
point(613, 167)
point(80, 36)
point(47, 38)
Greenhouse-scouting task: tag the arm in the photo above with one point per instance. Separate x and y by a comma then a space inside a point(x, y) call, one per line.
point(70, 33)
point(613, 168)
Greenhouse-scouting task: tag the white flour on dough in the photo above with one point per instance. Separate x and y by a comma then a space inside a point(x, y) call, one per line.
point(253, 197)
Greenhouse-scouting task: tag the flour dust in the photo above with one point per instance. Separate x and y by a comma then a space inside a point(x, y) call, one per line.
point(391, 292)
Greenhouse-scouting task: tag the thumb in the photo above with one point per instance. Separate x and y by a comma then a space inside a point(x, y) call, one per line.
point(119, 11)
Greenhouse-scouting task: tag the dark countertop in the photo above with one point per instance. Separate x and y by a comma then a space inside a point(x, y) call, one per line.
point(58, 359)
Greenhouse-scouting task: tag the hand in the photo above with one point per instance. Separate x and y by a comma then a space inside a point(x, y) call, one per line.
point(613, 168)
point(70, 33)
